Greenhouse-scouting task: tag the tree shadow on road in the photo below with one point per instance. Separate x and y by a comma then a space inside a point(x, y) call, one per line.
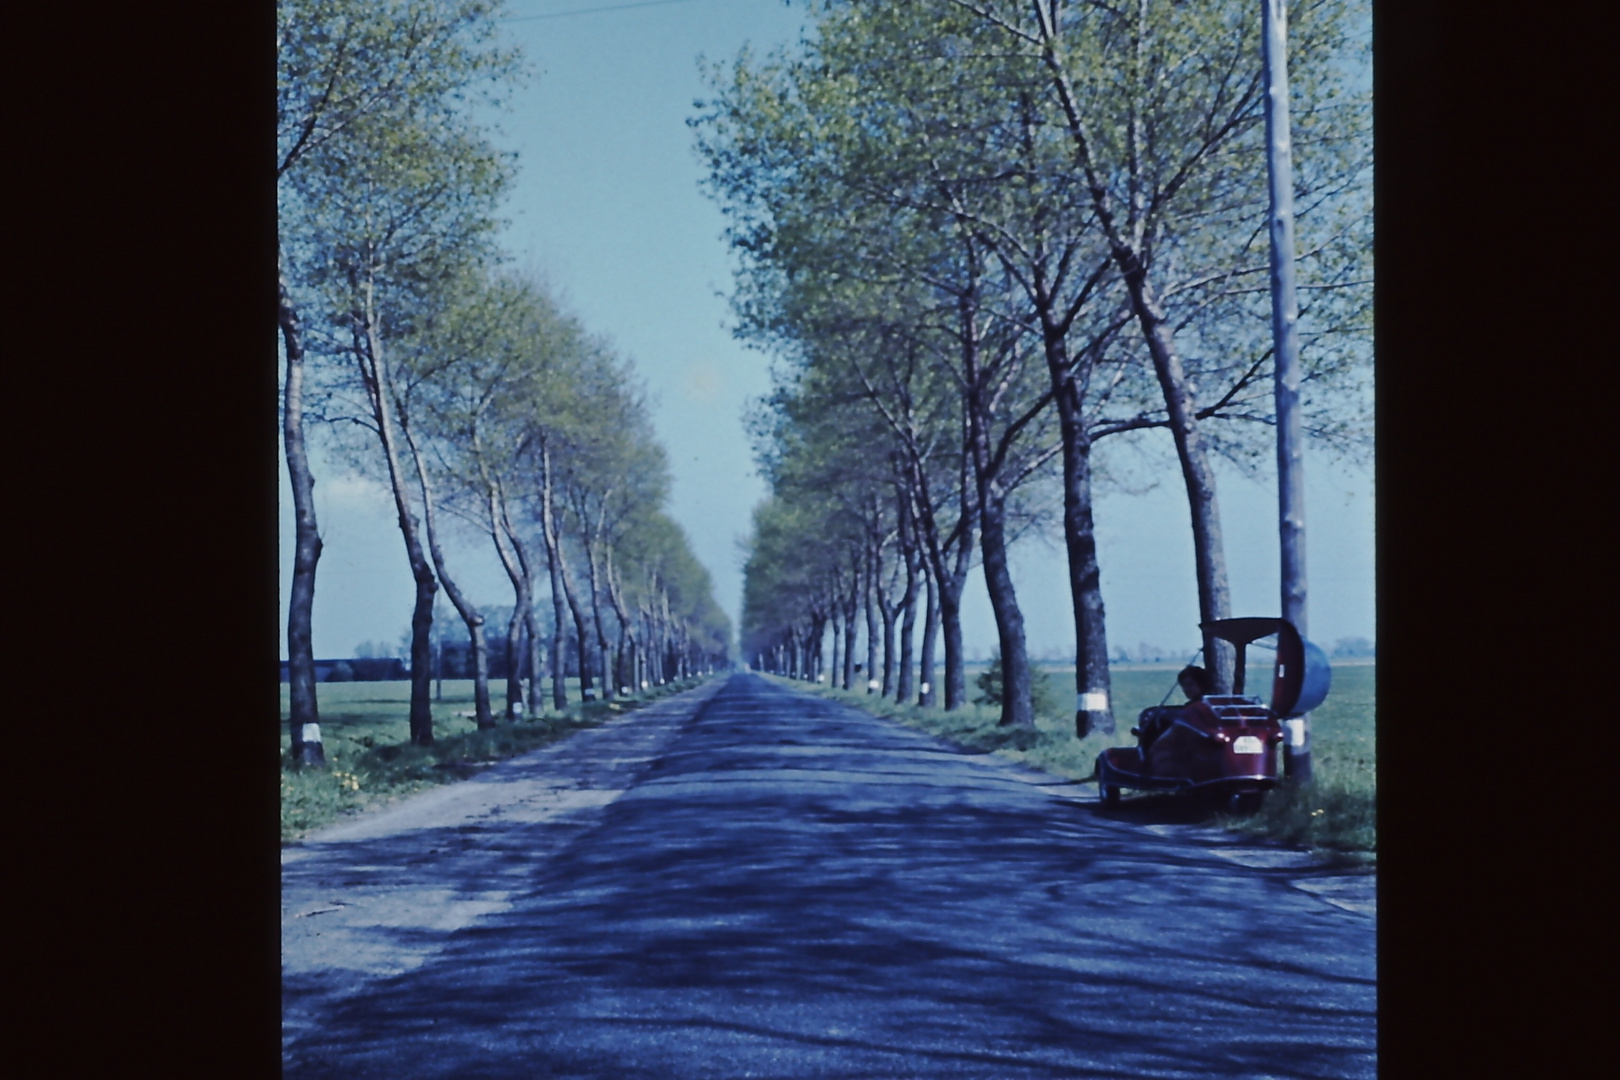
point(1163, 808)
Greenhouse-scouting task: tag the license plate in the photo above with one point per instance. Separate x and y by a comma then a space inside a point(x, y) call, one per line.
point(1247, 744)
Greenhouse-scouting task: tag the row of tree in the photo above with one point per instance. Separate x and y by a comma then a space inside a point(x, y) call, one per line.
point(980, 237)
point(461, 384)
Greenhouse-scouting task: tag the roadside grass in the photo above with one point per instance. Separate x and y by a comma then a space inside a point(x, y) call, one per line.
point(365, 730)
point(1334, 817)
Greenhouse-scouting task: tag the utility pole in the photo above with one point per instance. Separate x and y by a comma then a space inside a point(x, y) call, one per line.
point(1285, 338)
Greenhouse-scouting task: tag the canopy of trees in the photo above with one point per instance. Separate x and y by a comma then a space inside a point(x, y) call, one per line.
point(980, 236)
point(463, 386)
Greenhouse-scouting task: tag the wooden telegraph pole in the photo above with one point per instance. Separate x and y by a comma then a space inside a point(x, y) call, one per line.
point(1285, 337)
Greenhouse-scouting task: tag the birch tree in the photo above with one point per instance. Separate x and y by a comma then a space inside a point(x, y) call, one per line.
point(797, 159)
point(340, 64)
point(1162, 106)
point(393, 211)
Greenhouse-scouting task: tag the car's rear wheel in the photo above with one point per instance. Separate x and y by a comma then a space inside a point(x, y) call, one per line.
point(1247, 802)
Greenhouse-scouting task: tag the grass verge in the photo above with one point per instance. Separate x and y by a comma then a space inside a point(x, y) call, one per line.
point(370, 761)
point(1334, 817)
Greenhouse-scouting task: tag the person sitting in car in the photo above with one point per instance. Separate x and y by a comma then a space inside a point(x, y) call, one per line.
point(1195, 682)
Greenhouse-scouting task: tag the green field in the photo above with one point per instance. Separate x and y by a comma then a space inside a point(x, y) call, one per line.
point(1335, 816)
point(365, 729)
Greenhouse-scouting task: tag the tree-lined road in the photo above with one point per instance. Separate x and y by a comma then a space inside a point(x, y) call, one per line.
point(747, 881)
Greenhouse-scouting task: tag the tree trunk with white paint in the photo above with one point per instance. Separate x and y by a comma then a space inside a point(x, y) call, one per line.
point(304, 717)
point(927, 693)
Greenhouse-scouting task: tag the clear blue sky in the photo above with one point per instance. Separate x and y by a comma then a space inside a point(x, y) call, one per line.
point(607, 206)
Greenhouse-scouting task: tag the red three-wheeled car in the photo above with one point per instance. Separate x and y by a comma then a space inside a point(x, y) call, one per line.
point(1224, 744)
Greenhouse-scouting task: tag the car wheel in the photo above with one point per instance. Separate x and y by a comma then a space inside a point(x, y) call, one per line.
point(1247, 802)
point(1107, 794)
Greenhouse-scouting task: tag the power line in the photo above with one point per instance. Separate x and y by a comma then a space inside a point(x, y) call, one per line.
point(592, 11)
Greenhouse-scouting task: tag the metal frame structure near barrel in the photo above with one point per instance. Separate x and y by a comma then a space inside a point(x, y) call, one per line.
point(1224, 744)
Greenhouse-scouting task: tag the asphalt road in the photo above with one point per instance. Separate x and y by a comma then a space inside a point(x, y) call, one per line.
point(746, 881)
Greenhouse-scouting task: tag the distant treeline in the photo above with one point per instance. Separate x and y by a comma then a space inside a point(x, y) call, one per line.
point(356, 669)
point(453, 660)
point(1348, 648)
